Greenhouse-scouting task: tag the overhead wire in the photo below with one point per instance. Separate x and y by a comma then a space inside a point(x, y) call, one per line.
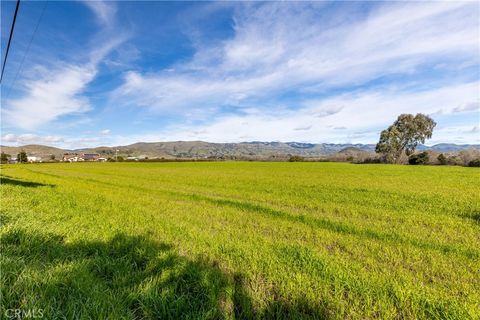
point(20, 68)
point(10, 39)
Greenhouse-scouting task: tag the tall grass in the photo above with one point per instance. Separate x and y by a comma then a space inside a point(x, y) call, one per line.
point(240, 240)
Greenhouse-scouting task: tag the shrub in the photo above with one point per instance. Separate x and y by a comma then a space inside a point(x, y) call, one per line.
point(370, 160)
point(296, 159)
point(474, 163)
point(418, 158)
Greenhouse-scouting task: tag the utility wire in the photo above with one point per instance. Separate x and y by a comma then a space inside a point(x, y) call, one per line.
point(10, 39)
point(19, 71)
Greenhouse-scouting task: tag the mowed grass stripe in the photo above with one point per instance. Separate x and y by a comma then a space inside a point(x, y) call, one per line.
point(317, 221)
point(358, 198)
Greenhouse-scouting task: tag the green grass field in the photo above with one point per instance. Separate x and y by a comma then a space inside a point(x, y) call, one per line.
point(241, 240)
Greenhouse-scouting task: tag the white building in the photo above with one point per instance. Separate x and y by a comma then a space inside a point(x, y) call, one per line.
point(34, 159)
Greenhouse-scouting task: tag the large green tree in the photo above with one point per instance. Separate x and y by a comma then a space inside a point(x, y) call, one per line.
point(404, 135)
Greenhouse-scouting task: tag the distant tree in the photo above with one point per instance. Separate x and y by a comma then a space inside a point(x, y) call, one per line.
point(52, 157)
point(468, 155)
point(442, 159)
point(404, 135)
point(474, 163)
point(454, 160)
point(22, 157)
point(120, 159)
point(4, 157)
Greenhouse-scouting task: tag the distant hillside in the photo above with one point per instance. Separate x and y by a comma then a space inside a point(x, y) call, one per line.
point(351, 149)
point(204, 150)
point(34, 150)
point(450, 147)
point(243, 150)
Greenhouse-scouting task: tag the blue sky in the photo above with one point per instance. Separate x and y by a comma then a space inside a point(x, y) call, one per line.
point(114, 73)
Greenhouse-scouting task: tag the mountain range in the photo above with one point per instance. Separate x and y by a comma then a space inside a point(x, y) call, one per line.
point(205, 150)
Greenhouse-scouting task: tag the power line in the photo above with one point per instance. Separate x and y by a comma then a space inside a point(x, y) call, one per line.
point(27, 50)
point(10, 39)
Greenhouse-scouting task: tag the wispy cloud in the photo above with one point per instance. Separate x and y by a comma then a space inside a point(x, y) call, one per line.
point(468, 106)
point(366, 112)
point(56, 93)
point(286, 47)
point(28, 138)
point(303, 128)
point(104, 11)
point(56, 89)
point(74, 142)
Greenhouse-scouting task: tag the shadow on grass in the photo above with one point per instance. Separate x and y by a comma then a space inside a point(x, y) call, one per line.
point(124, 278)
point(338, 227)
point(314, 221)
point(4, 218)
point(22, 183)
point(475, 216)
point(277, 306)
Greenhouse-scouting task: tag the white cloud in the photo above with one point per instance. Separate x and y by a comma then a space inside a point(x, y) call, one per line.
point(468, 106)
point(105, 132)
point(28, 138)
point(104, 11)
point(306, 128)
point(320, 110)
point(51, 140)
point(55, 94)
point(460, 134)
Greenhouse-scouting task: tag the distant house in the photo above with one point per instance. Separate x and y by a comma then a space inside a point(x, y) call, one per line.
point(34, 159)
point(75, 157)
point(70, 157)
point(90, 156)
point(101, 159)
